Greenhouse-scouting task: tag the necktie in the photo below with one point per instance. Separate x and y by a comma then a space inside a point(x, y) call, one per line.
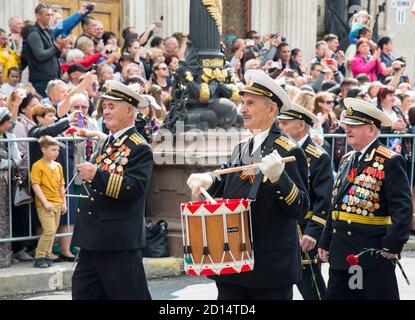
point(251, 146)
point(110, 140)
point(356, 157)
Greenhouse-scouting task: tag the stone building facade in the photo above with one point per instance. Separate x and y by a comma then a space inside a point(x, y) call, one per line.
point(301, 21)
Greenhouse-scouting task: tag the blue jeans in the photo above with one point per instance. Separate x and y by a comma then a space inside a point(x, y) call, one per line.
point(40, 87)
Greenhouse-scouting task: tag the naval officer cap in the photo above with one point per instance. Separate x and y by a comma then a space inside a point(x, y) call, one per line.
point(114, 90)
point(296, 112)
point(259, 83)
point(360, 112)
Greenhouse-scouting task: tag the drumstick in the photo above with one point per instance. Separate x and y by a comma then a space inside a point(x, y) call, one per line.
point(207, 195)
point(247, 167)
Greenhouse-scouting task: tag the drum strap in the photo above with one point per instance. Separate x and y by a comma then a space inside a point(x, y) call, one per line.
point(269, 143)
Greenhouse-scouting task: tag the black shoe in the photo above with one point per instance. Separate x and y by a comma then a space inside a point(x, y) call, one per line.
point(51, 262)
point(41, 263)
point(66, 258)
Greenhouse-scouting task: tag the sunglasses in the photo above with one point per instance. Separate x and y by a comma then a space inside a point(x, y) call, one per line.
point(165, 68)
point(329, 102)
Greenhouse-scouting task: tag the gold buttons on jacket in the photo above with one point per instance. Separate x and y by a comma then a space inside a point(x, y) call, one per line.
point(349, 221)
point(78, 210)
point(92, 199)
point(90, 213)
point(128, 188)
point(349, 233)
point(334, 231)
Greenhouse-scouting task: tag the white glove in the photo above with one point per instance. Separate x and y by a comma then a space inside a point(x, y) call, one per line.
point(272, 167)
point(197, 180)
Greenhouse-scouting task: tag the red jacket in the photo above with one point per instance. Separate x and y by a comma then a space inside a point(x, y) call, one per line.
point(86, 62)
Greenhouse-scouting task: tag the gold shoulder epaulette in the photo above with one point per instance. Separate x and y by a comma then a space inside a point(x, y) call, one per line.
point(285, 142)
point(119, 143)
point(385, 152)
point(136, 139)
point(314, 151)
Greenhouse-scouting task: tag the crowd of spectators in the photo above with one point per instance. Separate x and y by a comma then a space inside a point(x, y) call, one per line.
point(51, 80)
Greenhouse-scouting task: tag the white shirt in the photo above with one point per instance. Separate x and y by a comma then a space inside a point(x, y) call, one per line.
point(363, 151)
point(259, 138)
point(302, 140)
point(120, 133)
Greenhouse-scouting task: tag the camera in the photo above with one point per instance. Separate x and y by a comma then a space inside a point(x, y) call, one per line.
point(108, 51)
point(90, 7)
point(401, 61)
point(276, 35)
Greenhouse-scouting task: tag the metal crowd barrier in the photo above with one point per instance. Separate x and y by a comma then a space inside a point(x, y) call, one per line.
point(330, 138)
point(31, 236)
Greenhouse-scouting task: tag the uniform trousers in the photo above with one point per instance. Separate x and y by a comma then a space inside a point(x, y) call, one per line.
point(228, 291)
point(306, 285)
point(378, 284)
point(110, 275)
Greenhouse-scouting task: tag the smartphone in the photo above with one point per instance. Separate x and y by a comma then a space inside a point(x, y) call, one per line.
point(90, 7)
point(161, 18)
point(274, 65)
point(329, 61)
point(81, 120)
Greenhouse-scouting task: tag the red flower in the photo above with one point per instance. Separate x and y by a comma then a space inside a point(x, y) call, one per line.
point(71, 131)
point(352, 260)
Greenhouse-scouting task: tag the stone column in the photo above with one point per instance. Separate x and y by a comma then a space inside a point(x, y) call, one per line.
point(294, 19)
point(140, 14)
point(20, 8)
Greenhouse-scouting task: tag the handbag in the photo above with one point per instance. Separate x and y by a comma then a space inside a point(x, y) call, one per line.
point(21, 194)
point(156, 240)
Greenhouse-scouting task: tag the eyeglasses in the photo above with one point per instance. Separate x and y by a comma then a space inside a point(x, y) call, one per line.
point(77, 107)
point(165, 68)
point(329, 102)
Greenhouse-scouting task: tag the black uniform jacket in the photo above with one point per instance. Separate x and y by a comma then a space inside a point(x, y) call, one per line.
point(275, 213)
point(320, 189)
point(112, 218)
point(372, 208)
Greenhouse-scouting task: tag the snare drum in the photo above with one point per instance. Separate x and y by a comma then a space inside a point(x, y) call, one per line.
point(217, 237)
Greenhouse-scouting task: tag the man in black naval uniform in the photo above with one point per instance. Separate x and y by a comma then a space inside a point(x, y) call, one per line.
point(372, 209)
point(109, 226)
point(279, 190)
point(297, 122)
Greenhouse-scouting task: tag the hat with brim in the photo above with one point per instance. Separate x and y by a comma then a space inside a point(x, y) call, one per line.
point(259, 83)
point(360, 112)
point(114, 90)
point(4, 112)
point(296, 112)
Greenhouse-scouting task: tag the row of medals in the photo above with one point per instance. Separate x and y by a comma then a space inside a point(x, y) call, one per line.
point(113, 160)
point(363, 197)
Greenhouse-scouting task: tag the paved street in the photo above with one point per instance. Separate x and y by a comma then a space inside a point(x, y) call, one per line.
point(201, 288)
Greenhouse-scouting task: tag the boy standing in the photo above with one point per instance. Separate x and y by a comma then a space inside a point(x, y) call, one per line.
point(48, 184)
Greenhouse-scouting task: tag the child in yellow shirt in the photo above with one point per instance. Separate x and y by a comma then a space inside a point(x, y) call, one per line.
point(48, 183)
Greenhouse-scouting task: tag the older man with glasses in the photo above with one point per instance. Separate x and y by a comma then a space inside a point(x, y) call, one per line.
point(109, 226)
point(371, 212)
